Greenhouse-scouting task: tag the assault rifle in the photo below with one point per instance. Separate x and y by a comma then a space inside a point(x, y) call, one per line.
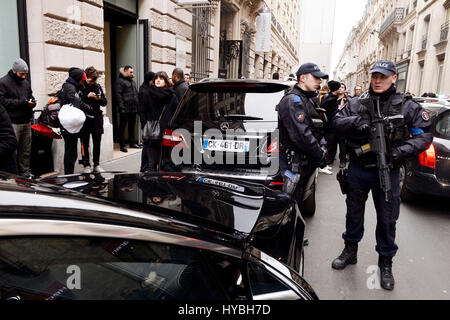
point(378, 143)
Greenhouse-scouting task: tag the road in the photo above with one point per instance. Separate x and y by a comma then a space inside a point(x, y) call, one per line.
point(421, 267)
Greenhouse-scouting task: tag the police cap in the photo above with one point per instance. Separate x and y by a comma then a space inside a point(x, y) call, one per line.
point(385, 67)
point(313, 69)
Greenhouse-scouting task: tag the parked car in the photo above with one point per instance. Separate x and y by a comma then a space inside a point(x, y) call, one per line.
point(152, 243)
point(429, 173)
point(228, 129)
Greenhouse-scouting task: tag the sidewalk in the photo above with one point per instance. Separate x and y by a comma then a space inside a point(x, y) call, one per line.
point(130, 162)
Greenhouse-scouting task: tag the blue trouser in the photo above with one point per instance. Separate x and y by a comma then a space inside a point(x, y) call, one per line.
point(361, 181)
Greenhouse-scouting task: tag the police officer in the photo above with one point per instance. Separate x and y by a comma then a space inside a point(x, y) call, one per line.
point(301, 123)
point(406, 136)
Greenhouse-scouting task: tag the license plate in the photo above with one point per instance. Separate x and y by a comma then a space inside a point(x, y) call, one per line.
point(226, 145)
point(222, 184)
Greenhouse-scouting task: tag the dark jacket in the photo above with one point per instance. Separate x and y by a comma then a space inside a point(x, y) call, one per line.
point(14, 96)
point(126, 95)
point(296, 112)
point(330, 104)
point(94, 117)
point(153, 102)
point(72, 93)
point(418, 139)
point(8, 144)
point(180, 89)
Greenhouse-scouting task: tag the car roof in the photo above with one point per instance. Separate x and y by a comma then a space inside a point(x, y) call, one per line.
point(29, 199)
point(247, 85)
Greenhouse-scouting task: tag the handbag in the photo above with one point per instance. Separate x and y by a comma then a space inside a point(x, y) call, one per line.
point(152, 129)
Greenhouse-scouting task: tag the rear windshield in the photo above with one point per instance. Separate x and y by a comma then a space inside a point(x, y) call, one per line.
point(223, 106)
point(443, 126)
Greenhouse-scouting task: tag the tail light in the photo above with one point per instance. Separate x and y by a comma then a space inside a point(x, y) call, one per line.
point(428, 157)
point(277, 183)
point(274, 147)
point(172, 138)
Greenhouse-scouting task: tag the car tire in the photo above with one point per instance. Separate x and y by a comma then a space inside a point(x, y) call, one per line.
point(405, 194)
point(308, 206)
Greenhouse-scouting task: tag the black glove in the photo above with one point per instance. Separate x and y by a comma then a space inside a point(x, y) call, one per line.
point(363, 126)
point(396, 157)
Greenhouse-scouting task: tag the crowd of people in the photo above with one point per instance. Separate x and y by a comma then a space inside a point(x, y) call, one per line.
point(156, 99)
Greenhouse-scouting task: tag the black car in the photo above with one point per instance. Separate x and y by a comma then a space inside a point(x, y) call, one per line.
point(228, 129)
point(153, 243)
point(429, 173)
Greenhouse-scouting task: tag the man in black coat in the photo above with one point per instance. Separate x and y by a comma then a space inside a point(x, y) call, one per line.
point(17, 97)
point(407, 136)
point(127, 100)
point(8, 144)
point(179, 84)
point(72, 92)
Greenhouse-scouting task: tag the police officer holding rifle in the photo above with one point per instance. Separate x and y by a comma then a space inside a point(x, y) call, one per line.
point(381, 129)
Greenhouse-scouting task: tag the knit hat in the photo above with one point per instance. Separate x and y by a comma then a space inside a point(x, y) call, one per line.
point(20, 66)
point(334, 85)
point(77, 74)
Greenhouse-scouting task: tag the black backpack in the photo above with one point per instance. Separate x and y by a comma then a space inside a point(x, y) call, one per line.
point(49, 115)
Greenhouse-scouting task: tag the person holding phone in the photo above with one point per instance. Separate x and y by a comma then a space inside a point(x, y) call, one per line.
point(17, 98)
point(95, 98)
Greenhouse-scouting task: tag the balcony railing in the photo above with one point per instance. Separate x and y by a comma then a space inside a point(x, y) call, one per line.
point(444, 31)
point(396, 16)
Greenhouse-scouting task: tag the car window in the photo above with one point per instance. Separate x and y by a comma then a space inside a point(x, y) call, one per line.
point(106, 269)
point(215, 106)
point(266, 287)
point(443, 126)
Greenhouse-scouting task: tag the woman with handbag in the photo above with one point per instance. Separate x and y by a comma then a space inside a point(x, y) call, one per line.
point(157, 106)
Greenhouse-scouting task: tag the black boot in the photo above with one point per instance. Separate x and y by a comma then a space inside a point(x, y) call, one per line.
point(387, 278)
point(348, 256)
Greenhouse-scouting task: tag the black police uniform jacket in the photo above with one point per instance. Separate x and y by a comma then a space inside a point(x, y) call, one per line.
point(410, 136)
point(296, 112)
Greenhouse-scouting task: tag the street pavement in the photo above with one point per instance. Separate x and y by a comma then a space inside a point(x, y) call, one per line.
point(421, 267)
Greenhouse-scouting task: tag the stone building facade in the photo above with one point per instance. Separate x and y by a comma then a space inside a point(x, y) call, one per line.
point(152, 35)
point(413, 34)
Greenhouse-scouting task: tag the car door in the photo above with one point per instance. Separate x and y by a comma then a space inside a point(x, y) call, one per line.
point(69, 260)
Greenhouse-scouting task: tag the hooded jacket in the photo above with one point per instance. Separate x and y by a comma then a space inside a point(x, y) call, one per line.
point(126, 94)
point(15, 93)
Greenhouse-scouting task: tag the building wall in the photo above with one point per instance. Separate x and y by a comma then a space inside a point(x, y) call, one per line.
point(63, 34)
point(316, 32)
point(423, 64)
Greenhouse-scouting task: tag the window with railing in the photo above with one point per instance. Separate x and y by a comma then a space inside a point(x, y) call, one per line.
point(444, 31)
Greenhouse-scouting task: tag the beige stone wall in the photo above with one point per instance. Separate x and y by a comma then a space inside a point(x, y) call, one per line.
point(403, 43)
point(64, 34)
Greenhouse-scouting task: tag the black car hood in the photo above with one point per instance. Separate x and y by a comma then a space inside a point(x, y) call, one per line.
point(229, 203)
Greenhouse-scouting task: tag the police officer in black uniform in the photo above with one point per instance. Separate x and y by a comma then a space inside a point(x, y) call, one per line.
point(301, 124)
point(406, 126)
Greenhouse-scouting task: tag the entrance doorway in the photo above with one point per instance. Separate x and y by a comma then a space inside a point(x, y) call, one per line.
point(126, 43)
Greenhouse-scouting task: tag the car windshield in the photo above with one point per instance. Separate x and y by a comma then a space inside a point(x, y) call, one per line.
point(256, 109)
